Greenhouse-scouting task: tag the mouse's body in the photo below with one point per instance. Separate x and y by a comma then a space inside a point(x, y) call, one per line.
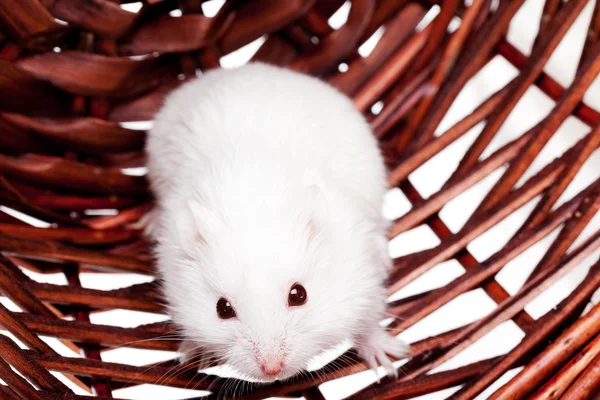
point(270, 238)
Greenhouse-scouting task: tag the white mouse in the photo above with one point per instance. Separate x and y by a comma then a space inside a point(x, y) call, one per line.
point(270, 238)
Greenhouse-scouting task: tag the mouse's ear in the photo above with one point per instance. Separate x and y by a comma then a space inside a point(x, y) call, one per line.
point(200, 217)
point(316, 196)
point(317, 205)
point(191, 221)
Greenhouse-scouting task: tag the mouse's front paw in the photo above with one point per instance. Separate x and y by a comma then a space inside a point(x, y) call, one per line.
point(190, 353)
point(375, 348)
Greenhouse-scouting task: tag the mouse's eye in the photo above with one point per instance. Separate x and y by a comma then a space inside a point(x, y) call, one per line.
point(224, 309)
point(297, 295)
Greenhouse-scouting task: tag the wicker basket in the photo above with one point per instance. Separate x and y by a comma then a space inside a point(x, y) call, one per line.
point(73, 71)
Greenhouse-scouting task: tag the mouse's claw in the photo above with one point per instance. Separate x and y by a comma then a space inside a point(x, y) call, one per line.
point(189, 353)
point(185, 352)
point(372, 363)
point(387, 364)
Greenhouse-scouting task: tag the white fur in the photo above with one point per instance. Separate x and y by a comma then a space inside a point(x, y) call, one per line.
point(264, 178)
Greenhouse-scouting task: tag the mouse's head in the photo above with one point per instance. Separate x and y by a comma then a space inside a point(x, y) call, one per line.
point(268, 290)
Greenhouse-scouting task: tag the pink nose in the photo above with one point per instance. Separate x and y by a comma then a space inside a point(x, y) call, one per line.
point(271, 367)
